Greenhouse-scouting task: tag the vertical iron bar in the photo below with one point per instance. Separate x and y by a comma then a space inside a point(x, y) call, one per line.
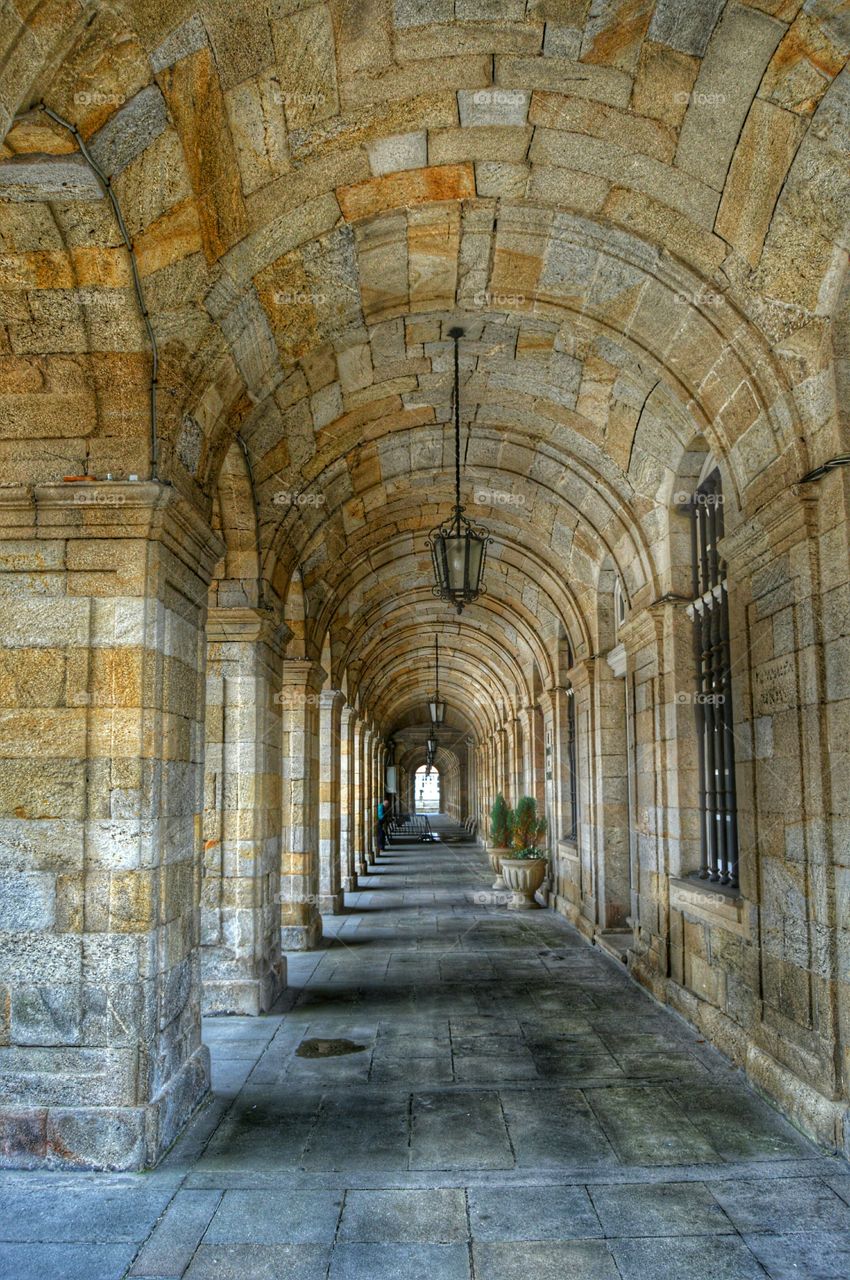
point(699, 709)
point(715, 686)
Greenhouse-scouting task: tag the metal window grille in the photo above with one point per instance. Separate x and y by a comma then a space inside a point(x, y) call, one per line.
point(572, 834)
point(713, 701)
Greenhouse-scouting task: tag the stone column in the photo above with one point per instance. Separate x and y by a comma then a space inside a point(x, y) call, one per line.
point(565, 865)
point(503, 766)
point(330, 719)
point(516, 746)
point(585, 720)
point(489, 778)
point(531, 721)
point(348, 865)
point(357, 806)
point(368, 789)
point(611, 816)
point(654, 764)
point(556, 714)
point(380, 781)
point(301, 922)
point(102, 672)
point(241, 964)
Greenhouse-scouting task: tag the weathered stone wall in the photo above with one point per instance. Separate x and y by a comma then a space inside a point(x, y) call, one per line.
point(639, 216)
point(759, 969)
point(103, 661)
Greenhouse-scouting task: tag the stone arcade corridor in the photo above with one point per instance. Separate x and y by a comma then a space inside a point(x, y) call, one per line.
point(390, 385)
point(520, 1110)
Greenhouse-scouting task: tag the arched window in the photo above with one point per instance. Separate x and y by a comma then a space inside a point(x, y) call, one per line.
point(713, 696)
point(619, 605)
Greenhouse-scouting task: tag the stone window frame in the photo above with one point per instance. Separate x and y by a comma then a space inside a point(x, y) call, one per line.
point(709, 614)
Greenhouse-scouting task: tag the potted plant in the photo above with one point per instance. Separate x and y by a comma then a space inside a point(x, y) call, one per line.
point(501, 832)
point(524, 868)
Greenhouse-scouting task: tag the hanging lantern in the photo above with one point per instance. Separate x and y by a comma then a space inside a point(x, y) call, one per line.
point(436, 705)
point(458, 547)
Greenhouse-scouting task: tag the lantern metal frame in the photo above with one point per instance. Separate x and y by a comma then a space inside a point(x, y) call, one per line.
point(458, 541)
point(436, 704)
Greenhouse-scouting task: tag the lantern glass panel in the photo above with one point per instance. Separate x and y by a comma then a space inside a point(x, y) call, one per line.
point(456, 556)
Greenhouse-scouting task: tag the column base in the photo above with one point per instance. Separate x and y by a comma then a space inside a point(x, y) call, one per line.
point(301, 937)
point(330, 904)
point(349, 884)
point(122, 1139)
point(247, 997)
point(363, 867)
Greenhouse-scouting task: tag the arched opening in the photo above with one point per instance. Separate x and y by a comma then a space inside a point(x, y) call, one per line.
point(223, 454)
point(427, 792)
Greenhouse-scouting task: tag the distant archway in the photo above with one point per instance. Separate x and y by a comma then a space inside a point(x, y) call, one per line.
point(426, 789)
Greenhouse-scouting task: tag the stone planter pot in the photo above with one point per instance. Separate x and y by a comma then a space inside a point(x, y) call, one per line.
point(495, 853)
point(523, 876)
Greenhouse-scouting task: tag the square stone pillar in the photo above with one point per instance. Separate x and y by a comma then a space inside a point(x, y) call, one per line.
point(379, 751)
point(330, 719)
point(611, 799)
point(301, 921)
point(241, 965)
point(531, 722)
point(515, 746)
point(102, 679)
point(504, 782)
point(565, 878)
point(357, 829)
point(348, 864)
point(582, 678)
point(368, 794)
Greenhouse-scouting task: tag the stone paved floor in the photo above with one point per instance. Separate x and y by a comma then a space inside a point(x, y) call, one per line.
point(520, 1111)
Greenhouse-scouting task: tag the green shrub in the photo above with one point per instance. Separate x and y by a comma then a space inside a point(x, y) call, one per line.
point(500, 823)
point(528, 829)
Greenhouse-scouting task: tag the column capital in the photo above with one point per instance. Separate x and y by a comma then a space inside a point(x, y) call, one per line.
point(331, 698)
point(647, 625)
point(789, 518)
point(246, 624)
point(303, 673)
point(114, 509)
point(616, 659)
